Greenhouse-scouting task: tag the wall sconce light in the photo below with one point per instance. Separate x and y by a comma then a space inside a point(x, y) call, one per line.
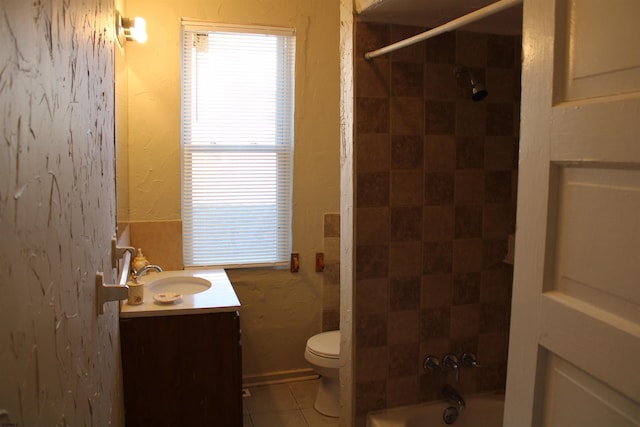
point(130, 29)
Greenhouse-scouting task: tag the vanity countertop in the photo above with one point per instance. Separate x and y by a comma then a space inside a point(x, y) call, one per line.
point(219, 298)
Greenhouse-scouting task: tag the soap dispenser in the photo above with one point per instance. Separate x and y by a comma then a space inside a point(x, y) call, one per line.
point(139, 261)
point(136, 291)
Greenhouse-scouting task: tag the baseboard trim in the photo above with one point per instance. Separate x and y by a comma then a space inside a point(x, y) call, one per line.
point(278, 377)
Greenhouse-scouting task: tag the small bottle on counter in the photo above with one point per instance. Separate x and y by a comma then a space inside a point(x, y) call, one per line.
point(139, 261)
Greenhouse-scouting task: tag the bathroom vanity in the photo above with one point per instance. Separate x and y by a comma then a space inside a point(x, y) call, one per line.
point(181, 362)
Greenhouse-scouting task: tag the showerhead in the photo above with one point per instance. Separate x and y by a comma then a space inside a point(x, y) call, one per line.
point(478, 90)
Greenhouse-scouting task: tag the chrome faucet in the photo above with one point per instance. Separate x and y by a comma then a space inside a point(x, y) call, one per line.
point(146, 268)
point(452, 395)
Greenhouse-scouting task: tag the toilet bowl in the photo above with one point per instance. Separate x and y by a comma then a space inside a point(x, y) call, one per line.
point(323, 353)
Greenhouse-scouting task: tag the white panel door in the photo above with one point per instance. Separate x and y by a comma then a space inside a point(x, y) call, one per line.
point(574, 352)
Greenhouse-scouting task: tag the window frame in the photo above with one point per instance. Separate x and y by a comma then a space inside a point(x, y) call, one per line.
point(282, 147)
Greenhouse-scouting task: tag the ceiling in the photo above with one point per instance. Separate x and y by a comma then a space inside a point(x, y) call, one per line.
point(432, 13)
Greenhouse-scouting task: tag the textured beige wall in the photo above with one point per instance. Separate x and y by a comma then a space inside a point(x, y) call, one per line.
point(347, 232)
point(59, 360)
point(122, 127)
point(280, 310)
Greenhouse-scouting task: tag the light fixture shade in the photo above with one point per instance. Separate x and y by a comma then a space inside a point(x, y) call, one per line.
point(130, 29)
point(139, 30)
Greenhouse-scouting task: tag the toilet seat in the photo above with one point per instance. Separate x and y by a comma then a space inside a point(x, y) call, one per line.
point(325, 344)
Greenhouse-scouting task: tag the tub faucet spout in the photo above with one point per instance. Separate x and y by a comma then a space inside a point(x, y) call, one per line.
point(452, 395)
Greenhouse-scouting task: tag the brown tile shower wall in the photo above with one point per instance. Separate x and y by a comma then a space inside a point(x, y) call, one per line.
point(435, 202)
point(331, 274)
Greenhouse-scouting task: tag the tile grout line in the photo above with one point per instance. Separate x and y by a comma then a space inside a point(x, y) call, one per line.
point(299, 398)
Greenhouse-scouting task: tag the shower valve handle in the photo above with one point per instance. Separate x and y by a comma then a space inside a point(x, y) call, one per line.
point(450, 361)
point(431, 364)
point(468, 360)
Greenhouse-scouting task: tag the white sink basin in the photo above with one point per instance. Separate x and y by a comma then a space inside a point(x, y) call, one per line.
point(185, 285)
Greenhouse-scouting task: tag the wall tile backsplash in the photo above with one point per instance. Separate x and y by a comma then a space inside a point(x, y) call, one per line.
point(161, 242)
point(436, 179)
point(331, 273)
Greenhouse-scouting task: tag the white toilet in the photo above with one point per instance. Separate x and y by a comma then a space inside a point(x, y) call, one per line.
point(323, 352)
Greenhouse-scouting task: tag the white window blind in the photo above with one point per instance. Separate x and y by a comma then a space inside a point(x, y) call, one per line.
point(237, 144)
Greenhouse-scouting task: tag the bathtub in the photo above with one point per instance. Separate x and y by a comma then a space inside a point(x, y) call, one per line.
point(481, 411)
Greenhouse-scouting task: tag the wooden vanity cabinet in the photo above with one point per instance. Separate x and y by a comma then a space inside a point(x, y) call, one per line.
point(182, 370)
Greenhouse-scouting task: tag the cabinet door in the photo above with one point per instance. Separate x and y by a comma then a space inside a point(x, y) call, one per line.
point(182, 370)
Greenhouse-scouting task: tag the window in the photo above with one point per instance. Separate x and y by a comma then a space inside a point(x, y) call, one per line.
point(237, 144)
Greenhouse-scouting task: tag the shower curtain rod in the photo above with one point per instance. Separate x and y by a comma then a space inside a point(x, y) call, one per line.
point(449, 26)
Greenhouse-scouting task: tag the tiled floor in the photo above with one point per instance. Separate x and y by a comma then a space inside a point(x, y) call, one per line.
point(284, 405)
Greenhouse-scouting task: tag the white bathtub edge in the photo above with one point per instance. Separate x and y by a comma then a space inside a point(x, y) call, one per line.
point(388, 417)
